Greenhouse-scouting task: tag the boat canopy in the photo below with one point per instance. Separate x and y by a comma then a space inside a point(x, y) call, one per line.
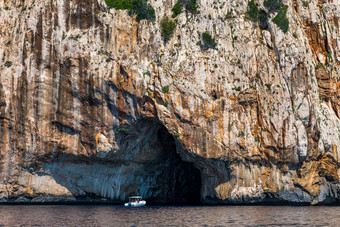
point(135, 197)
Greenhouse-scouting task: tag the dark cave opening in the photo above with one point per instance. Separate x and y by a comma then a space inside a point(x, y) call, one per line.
point(180, 181)
point(149, 162)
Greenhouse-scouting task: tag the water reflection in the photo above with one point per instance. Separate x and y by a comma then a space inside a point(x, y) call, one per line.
point(168, 216)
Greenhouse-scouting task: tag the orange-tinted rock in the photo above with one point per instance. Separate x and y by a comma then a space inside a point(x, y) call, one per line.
point(85, 112)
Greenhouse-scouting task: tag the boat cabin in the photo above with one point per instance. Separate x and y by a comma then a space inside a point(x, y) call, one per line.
point(134, 199)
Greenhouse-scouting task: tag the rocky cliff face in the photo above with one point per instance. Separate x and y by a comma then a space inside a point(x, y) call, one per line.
point(94, 106)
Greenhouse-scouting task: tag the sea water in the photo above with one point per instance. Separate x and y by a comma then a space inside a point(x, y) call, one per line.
point(105, 215)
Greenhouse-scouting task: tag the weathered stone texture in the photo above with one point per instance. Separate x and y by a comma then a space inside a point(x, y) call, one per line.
point(83, 115)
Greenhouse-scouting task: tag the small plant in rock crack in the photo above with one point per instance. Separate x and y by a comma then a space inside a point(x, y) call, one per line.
point(146, 74)
point(208, 42)
point(177, 135)
point(236, 88)
point(166, 103)
point(165, 89)
point(168, 27)
point(8, 64)
point(268, 86)
point(122, 129)
point(229, 14)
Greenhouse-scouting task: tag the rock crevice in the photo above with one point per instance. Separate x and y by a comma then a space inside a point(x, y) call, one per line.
point(94, 106)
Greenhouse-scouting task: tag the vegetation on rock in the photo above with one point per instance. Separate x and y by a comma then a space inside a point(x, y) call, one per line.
point(192, 6)
point(141, 8)
point(122, 129)
point(272, 6)
point(8, 64)
point(257, 15)
point(168, 26)
point(253, 11)
point(165, 89)
point(241, 134)
point(119, 4)
point(281, 20)
point(263, 20)
point(177, 9)
point(229, 14)
point(208, 41)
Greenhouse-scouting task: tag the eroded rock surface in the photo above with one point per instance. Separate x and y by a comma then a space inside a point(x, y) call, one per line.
point(84, 115)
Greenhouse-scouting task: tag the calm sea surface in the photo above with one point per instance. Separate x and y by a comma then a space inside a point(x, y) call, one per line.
point(73, 215)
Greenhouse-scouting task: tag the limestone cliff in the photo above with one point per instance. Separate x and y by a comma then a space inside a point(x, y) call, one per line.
point(95, 106)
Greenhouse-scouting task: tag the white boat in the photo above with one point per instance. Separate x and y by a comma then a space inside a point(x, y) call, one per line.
point(135, 201)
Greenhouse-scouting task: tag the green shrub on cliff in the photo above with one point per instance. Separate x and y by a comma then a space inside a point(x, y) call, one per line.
point(122, 129)
point(207, 41)
point(272, 5)
point(253, 11)
point(141, 8)
point(119, 4)
point(165, 89)
point(254, 14)
point(263, 20)
point(177, 9)
point(281, 20)
point(168, 26)
point(8, 64)
point(192, 6)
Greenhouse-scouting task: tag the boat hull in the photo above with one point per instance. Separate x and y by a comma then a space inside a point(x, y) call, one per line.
point(135, 204)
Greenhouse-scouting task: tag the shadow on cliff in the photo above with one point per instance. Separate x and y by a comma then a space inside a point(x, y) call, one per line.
point(146, 164)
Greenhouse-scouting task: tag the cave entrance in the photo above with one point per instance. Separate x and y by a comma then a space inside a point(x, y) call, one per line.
point(178, 182)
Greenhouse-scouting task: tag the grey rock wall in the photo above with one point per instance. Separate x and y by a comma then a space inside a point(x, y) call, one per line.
point(83, 114)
